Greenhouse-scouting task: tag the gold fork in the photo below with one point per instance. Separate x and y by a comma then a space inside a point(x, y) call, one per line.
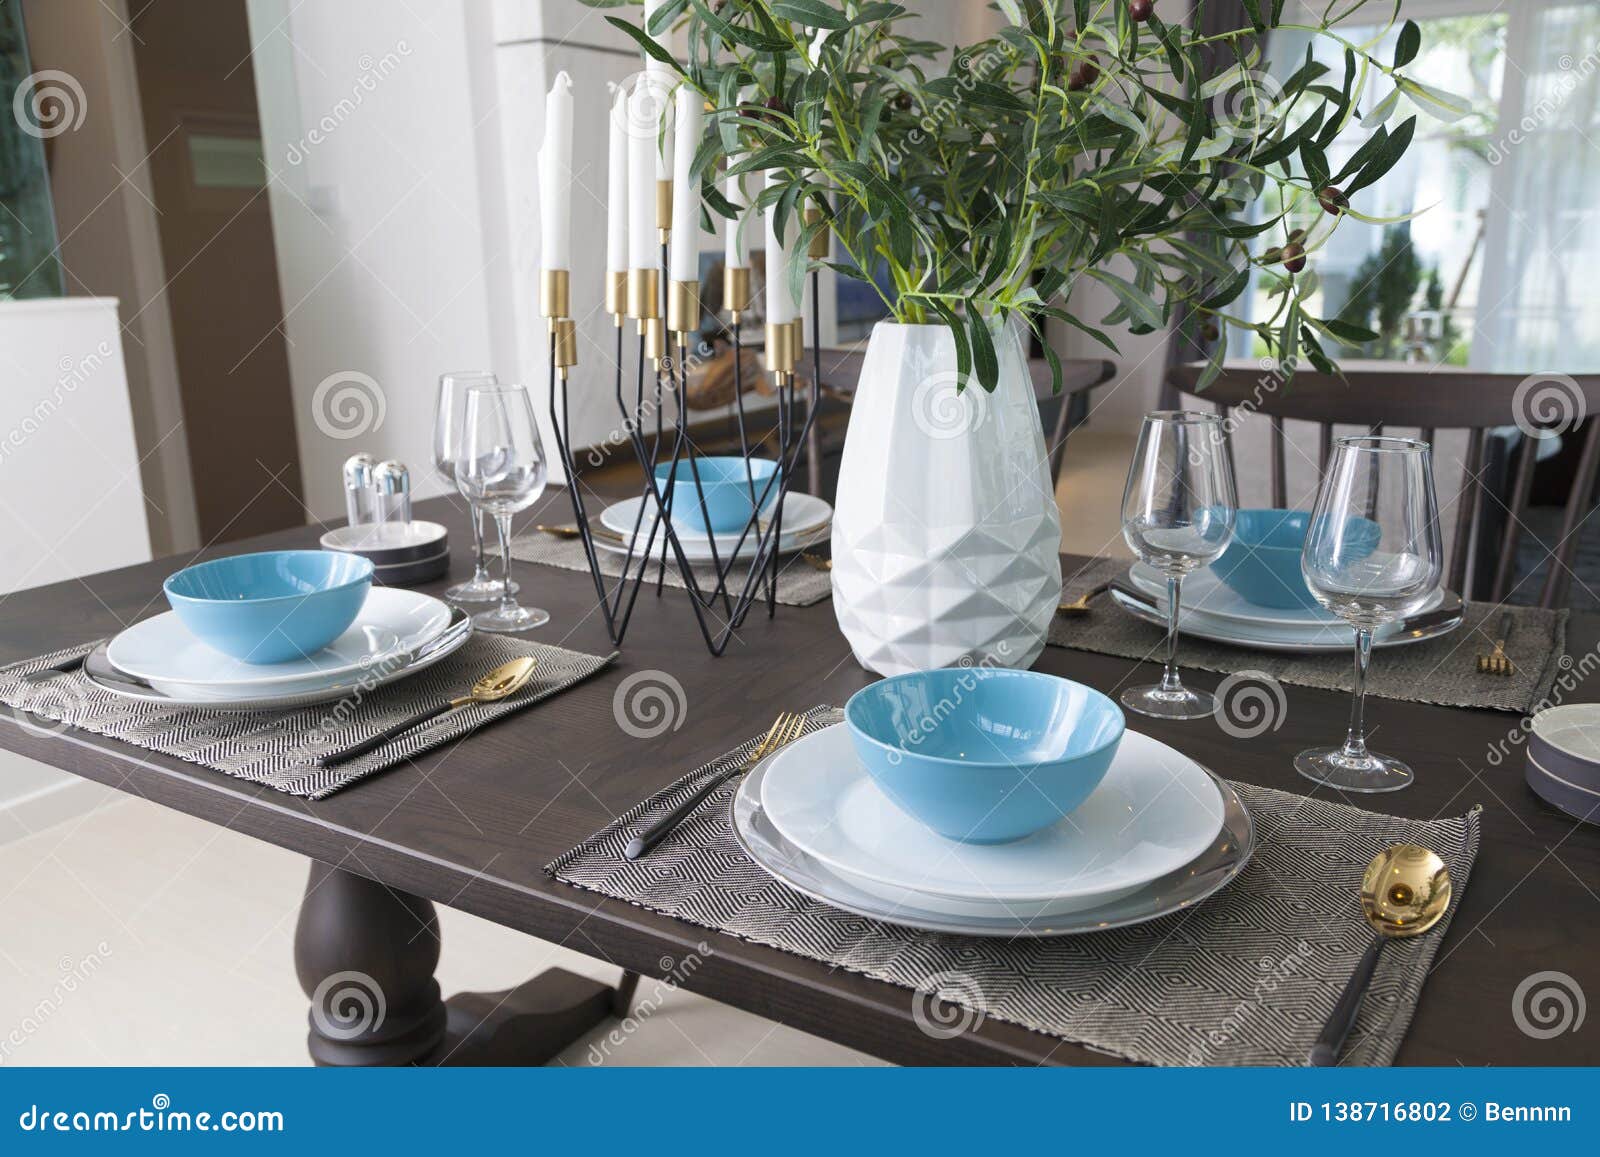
point(1498, 663)
point(1080, 605)
point(785, 729)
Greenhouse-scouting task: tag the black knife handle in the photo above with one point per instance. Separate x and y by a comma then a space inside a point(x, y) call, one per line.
point(355, 751)
point(1326, 1051)
point(656, 832)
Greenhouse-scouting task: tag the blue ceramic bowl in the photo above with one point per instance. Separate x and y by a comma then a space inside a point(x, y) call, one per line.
point(271, 607)
point(1262, 563)
point(726, 486)
point(980, 755)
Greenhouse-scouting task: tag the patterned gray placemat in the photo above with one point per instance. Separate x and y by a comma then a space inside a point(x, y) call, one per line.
point(1245, 978)
point(1442, 670)
point(280, 748)
point(800, 584)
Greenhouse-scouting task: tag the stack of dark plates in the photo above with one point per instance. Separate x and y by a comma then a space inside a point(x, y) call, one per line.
point(403, 554)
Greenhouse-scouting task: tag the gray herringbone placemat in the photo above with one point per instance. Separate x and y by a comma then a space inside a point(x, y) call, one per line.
point(1246, 977)
point(1442, 670)
point(799, 582)
point(280, 748)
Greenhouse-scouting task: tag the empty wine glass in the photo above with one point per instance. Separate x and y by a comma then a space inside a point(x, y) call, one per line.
point(482, 587)
point(1372, 555)
point(1178, 511)
point(500, 466)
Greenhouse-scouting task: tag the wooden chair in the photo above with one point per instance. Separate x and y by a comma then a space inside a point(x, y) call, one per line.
point(1379, 395)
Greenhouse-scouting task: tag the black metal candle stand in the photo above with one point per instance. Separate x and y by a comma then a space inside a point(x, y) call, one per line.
point(722, 602)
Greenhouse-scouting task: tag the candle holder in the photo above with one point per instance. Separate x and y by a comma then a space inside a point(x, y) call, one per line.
point(555, 294)
point(738, 574)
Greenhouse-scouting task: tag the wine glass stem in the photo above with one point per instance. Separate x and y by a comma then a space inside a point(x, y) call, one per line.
point(480, 571)
point(1169, 674)
point(1355, 743)
point(503, 525)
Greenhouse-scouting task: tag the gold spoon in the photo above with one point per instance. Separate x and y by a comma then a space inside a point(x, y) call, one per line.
point(506, 679)
point(1080, 605)
point(1404, 892)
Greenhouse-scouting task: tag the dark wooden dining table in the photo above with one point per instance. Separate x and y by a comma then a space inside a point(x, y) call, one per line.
point(471, 825)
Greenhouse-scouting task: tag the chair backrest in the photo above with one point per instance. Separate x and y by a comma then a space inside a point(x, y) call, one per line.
point(1393, 394)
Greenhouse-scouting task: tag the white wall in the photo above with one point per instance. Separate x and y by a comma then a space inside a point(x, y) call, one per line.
point(391, 258)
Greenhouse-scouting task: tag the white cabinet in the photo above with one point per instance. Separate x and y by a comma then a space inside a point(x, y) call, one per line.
point(71, 498)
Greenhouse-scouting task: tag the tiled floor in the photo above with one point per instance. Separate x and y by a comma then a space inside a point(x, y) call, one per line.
point(135, 935)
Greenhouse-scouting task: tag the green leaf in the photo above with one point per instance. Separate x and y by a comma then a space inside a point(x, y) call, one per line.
point(1384, 157)
point(958, 331)
point(812, 13)
point(1349, 332)
point(1253, 9)
point(1382, 110)
point(661, 19)
point(984, 359)
point(1141, 307)
point(1441, 105)
point(650, 47)
point(1406, 46)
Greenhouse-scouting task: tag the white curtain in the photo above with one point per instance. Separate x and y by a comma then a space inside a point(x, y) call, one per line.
point(1538, 308)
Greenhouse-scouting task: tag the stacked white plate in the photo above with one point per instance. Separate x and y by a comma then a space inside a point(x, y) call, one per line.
point(1159, 833)
point(806, 522)
point(397, 633)
point(1210, 609)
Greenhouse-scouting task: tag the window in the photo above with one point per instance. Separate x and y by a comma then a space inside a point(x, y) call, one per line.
point(1484, 275)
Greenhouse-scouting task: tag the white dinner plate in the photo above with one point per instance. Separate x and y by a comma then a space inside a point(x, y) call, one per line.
point(162, 652)
point(99, 671)
point(1333, 641)
point(772, 851)
point(1154, 812)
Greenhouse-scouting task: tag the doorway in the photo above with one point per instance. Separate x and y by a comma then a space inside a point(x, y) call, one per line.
point(198, 98)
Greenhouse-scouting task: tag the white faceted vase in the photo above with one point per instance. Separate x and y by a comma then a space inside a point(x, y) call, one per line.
point(946, 539)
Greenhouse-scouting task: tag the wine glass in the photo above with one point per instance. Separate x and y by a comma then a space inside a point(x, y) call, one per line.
point(1178, 511)
point(500, 466)
point(447, 423)
point(1372, 555)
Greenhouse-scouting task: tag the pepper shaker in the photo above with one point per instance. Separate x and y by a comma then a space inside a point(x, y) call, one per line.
point(391, 484)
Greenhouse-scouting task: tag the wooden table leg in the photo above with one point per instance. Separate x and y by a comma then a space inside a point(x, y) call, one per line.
point(365, 955)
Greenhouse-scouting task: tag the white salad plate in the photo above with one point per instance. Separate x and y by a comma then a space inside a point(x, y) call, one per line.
point(99, 670)
point(806, 519)
point(774, 853)
point(1154, 812)
point(162, 652)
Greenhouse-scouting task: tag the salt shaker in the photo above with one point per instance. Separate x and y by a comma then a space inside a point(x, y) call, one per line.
point(358, 493)
point(391, 484)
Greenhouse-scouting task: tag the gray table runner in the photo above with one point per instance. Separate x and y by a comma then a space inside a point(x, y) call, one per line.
point(280, 748)
point(1247, 977)
point(799, 583)
point(1442, 670)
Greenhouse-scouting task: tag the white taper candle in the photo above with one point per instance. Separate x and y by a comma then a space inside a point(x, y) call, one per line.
point(685, 189)
point(781, 305)
point(555, 177)
point(617, 185)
